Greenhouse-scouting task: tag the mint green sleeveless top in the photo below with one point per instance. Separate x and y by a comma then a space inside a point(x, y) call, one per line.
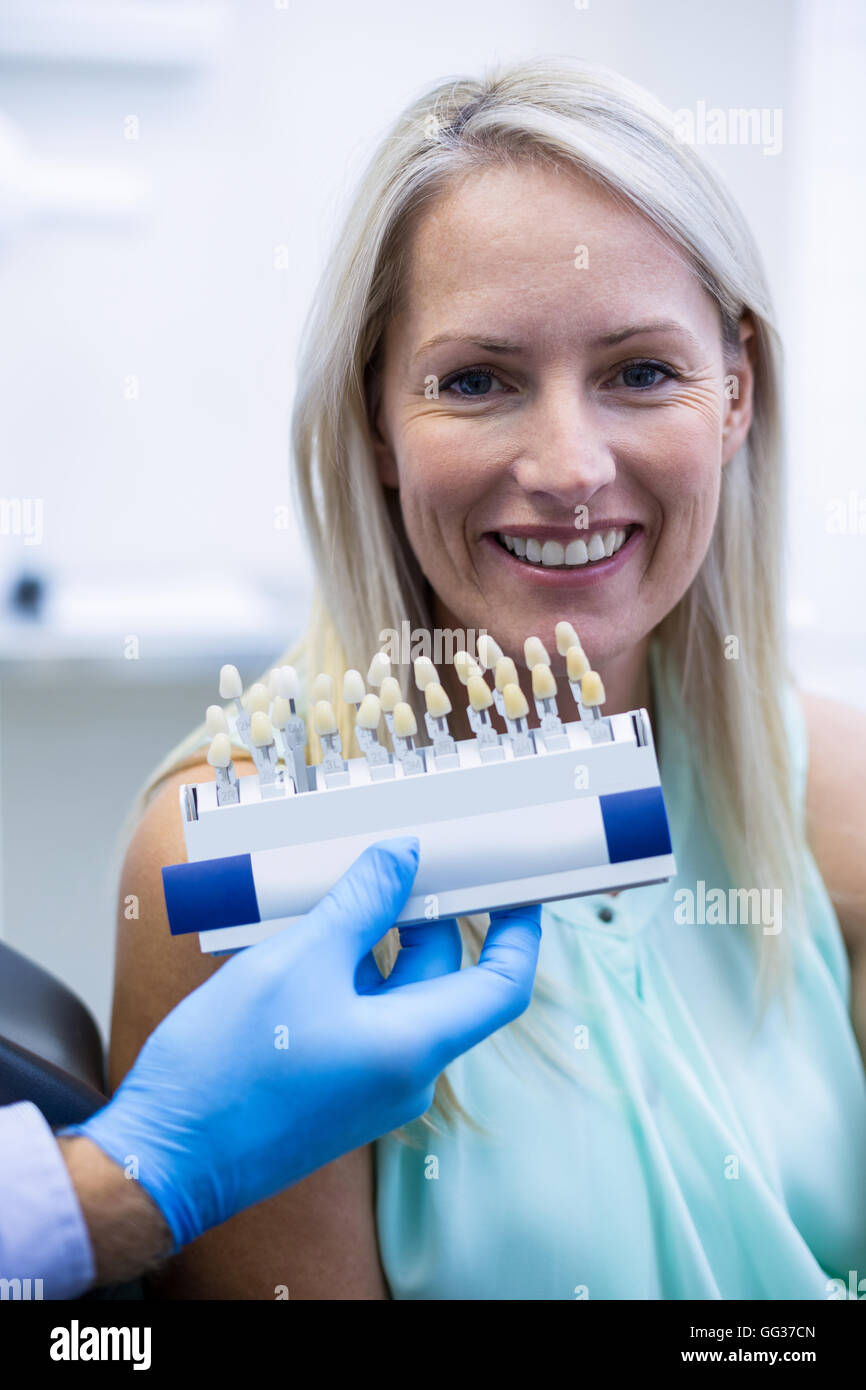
point(668, 1142)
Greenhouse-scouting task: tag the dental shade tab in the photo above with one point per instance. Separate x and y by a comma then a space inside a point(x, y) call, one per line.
point(505, 674)
point(293, 730)
point(404, 733)
point(490, 747)
point(527, 815)
point(390, 696)
point(367, 733)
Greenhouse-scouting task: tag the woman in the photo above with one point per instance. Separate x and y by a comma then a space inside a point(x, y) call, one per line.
point(544, 322)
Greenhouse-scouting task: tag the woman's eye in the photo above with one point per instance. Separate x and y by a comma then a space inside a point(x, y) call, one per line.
point(473, 384)
point(640, 375)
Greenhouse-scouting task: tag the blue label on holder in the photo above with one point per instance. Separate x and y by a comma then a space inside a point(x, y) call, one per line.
point(210, 894)
point(635, 824)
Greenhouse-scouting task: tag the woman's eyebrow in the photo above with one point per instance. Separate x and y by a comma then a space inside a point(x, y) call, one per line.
point(485, 344)
point(619, 335)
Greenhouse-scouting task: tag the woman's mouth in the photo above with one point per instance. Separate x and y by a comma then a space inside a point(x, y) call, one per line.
point(594, 552)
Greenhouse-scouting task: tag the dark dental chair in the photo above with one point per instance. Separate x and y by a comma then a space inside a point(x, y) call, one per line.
point(51, 1054)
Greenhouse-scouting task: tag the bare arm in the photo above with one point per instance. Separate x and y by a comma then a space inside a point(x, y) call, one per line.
point(316, 1241)
point(836, 824)
point(128, 1232)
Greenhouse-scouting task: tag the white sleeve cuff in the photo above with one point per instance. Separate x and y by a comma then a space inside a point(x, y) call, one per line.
point(44, 1242)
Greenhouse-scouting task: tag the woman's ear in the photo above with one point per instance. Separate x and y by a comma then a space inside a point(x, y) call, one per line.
point(739, 393)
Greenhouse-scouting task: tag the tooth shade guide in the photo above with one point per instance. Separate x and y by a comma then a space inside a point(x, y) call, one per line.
point(543, 835)
point(438, 704)
point(369, 713)
point(425, 672)
point(543, 683)
point(281, 712)
point(294, 730)
point(592, 698)
point(405, 723)
point(380, 667)
point(322, 689)
point(261, 730)
point(287, 683)
point(390, 694)
point(332, 767)
point(516, 706)
point(465, 666)
point(405, 729)
point(535, 651)
point(436, 719)
point(264, 752)
point(215, 721)
point(577, 663)
point(366, 726)
point(592, 690)
point(544, 694)
point(324, 720)
point(219, 754)
point(487, 738)
point(516, 710)
point(565, 637)
point(230, 684)
point(480, 697)
point(257, 701)
point(489, 651)
point(550, 727)
point(504, 674)
point(354, 689)
point(231, 688)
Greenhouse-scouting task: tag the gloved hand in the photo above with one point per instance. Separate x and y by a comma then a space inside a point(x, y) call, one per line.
point(297, 1050)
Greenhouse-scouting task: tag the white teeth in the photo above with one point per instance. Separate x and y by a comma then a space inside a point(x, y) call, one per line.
point(552, 553)
point(575, 553)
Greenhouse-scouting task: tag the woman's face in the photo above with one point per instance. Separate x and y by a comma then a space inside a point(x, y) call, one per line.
point(554, 412)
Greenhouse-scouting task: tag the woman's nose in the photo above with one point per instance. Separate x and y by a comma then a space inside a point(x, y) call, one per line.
point(564, 454)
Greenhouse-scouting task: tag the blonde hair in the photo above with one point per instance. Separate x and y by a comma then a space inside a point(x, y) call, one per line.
point(564, 113)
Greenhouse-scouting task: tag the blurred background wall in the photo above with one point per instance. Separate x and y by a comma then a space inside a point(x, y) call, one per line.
point(170, 176)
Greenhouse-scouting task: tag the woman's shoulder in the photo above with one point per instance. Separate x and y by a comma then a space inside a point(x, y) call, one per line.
point(835, 735)
point(153, 969)
point(820, 710)
point(835, 804)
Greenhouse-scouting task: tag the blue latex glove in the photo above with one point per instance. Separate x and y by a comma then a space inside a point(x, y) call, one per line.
point(220, 1116)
